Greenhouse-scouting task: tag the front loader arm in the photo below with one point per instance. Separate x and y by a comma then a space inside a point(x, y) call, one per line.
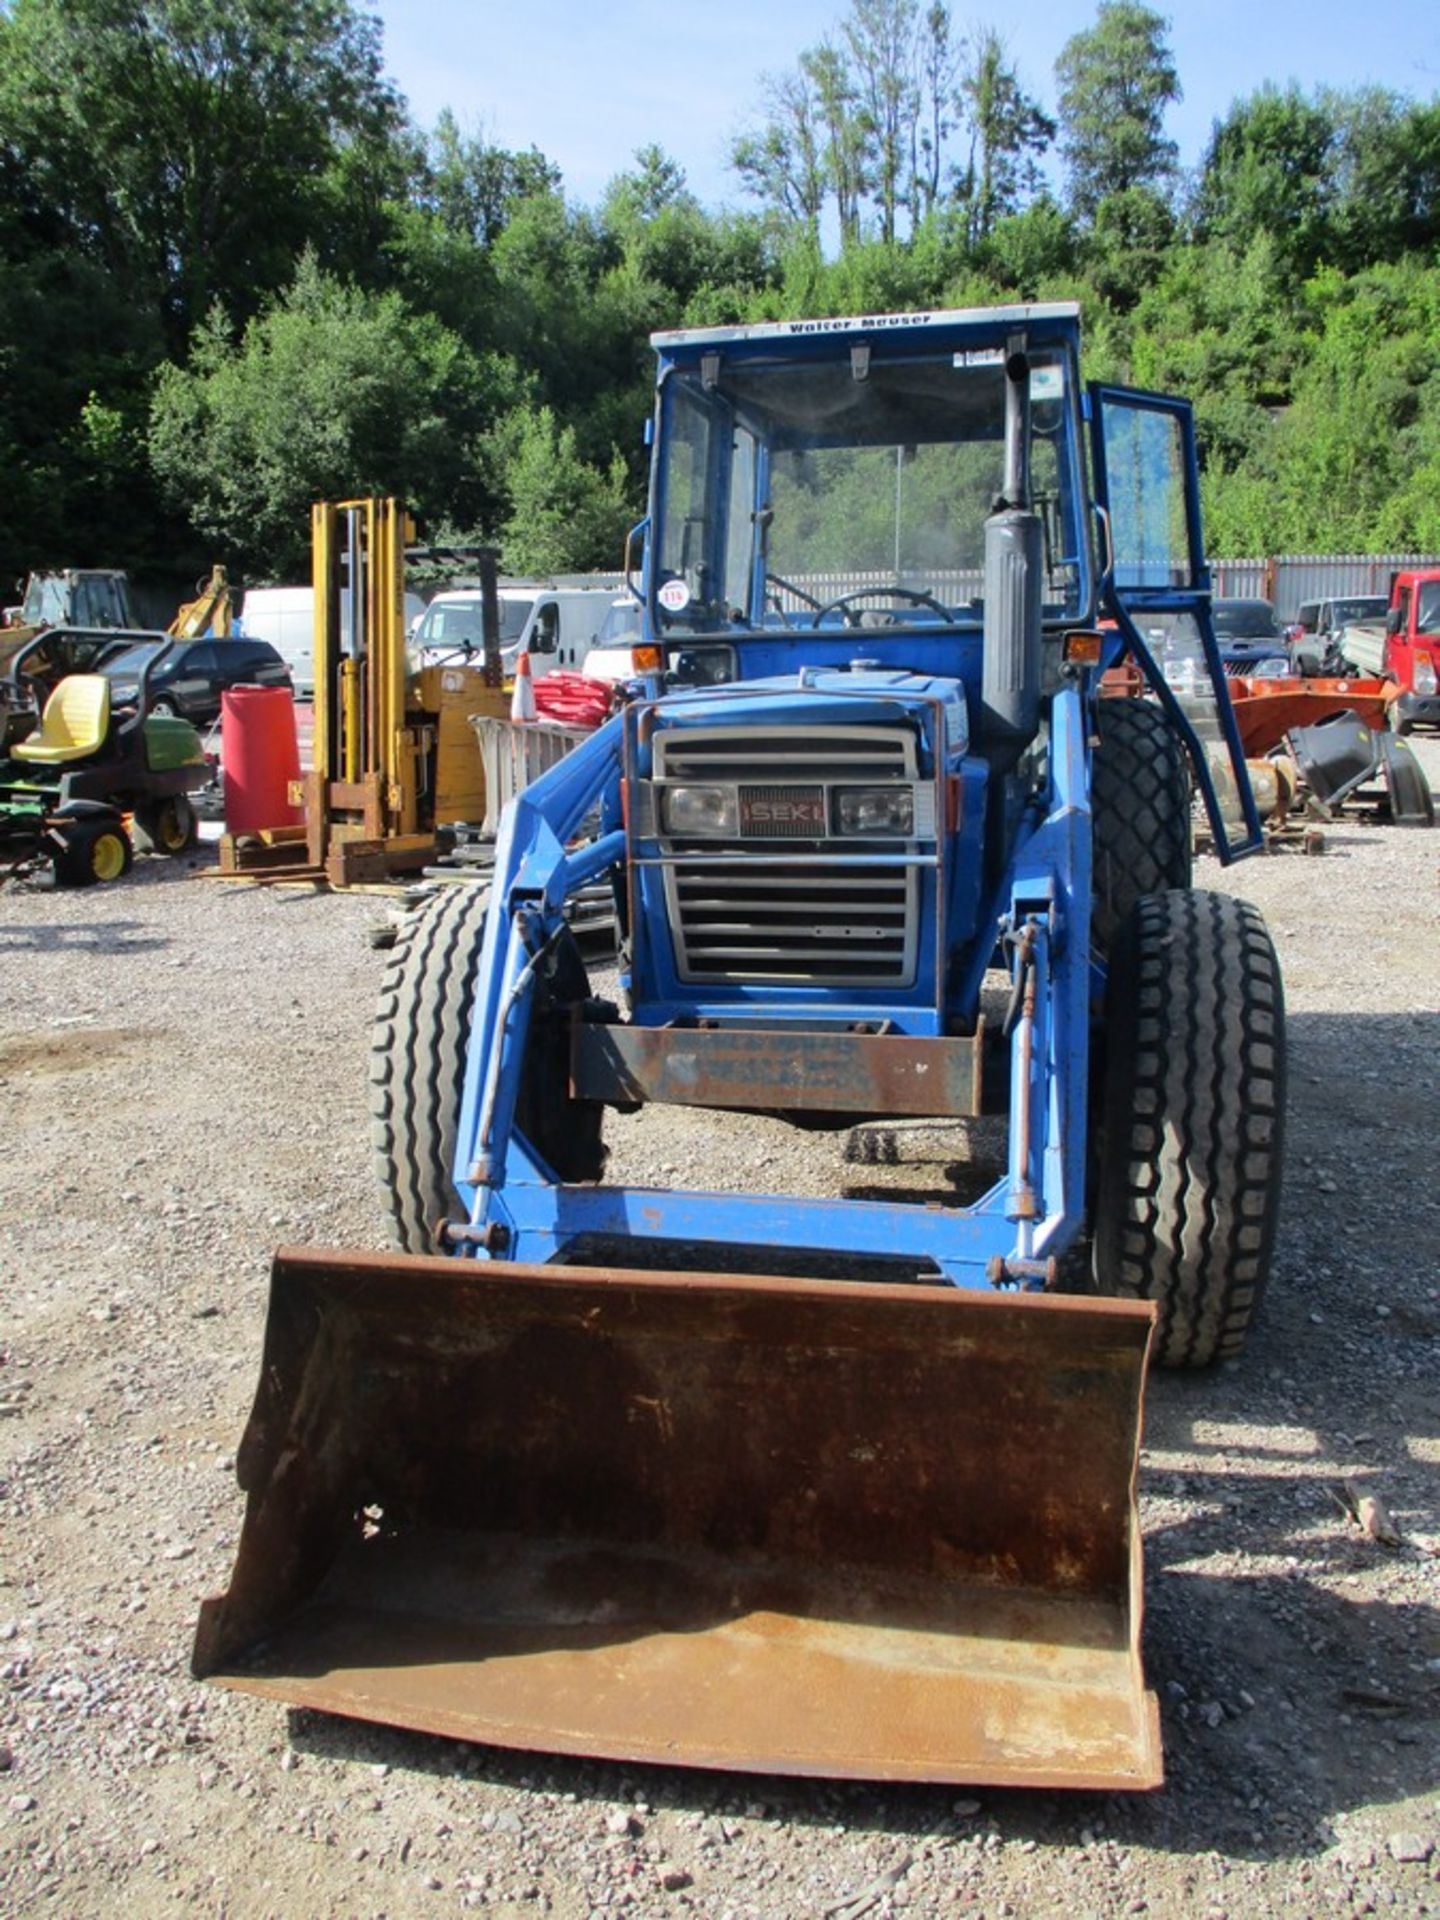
point(535, 874)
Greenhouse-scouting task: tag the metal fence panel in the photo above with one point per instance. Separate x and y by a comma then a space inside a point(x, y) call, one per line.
point(1289, 579)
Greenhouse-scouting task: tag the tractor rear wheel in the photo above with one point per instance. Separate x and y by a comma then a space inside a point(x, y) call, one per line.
point(417, 1062)
point(1191, 1134)
point(1140, 809)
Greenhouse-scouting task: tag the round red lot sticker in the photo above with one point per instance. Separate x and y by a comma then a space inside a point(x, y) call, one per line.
point(674, 596)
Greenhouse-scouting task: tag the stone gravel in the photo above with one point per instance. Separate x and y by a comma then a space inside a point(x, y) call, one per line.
point(182, 1072)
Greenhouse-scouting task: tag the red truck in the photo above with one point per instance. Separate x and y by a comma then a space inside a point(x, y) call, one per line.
point(1405, 648)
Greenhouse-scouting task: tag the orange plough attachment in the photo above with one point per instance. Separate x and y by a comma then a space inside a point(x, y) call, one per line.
point(815, 1527)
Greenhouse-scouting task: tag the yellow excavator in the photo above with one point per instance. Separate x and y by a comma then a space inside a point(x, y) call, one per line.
point(211, 611)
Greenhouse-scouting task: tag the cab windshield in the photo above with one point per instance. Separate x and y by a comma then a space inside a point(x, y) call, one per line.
point(784, 486)
point(45, 603)
point(460, 623)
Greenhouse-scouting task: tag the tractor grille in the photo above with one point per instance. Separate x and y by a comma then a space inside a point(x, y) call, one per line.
point(740, 912)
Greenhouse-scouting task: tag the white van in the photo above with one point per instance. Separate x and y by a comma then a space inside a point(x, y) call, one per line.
point(285, 616)
point(556, 626)
point(613, 655)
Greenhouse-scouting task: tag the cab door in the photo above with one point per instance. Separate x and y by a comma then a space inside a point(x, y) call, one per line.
point(1156, 586)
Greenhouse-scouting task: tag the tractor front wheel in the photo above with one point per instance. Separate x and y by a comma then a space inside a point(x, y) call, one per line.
point(1191, 1132)
point(417, 1062)
point(417, 1066)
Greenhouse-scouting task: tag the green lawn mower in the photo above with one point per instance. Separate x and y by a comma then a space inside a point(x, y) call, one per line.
point(84, 785)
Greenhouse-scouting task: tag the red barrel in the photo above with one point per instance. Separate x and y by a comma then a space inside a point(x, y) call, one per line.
point(260, 755)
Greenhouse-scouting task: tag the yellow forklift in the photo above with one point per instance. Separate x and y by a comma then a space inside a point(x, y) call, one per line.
point(394, 755)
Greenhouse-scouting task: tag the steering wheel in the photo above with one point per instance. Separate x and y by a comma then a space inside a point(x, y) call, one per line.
point(30, 690)
point(845, 601)
point(778, 581)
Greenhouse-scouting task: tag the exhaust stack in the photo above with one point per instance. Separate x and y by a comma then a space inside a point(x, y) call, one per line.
point(1014, 559)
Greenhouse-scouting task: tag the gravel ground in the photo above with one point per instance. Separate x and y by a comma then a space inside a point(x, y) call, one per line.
point(183, 1083)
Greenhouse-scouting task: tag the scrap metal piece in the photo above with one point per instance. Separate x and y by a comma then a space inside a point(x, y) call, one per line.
point(866, 1531)
point(1411, 802)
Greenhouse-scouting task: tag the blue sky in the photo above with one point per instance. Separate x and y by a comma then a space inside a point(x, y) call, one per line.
point(589, 81)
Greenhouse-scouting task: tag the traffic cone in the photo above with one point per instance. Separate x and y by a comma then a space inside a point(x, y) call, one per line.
point(522, 701)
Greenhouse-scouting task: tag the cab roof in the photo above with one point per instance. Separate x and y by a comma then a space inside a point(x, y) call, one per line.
point(1059, 315)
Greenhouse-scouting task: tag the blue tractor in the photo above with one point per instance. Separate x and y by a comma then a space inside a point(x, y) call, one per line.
point(839, 1486)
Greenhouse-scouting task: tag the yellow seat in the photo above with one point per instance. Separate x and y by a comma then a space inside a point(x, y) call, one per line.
point(74, 724)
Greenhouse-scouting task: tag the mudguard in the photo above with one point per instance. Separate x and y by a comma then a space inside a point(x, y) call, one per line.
point(1411, 802)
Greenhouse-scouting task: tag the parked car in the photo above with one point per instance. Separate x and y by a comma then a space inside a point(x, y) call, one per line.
point(1250, 640)
point(1315, 635)
point(194, 674)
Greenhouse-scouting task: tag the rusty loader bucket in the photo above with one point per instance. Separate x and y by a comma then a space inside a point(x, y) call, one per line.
point(878, 1532)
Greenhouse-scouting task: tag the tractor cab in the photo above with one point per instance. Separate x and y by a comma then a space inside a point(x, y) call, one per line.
point(805, 496)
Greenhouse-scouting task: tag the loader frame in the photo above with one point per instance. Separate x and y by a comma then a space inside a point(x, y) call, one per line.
point(519, 1210)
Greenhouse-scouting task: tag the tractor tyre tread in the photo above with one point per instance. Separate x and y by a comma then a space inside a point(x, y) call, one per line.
point(1192, 1136)
point(1140, 806)
point(417, 1062)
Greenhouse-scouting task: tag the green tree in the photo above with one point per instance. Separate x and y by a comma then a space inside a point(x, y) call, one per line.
point(332, 392)
point(1116, 80)
point(655, 185)
point(1128, 243)
point(881, 38)
point(1386, 175)
point(565, 513)
point(1362, 411)
point(1024, 251)
point(938, 60)
point(185, 145)
point(780, 162)
point(473, 187)
point(1267, 171)
point(863, 120)
point(846, 142)
point(71, 342)
point(1008, 134)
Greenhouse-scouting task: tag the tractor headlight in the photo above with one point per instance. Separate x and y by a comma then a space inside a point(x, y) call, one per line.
point(1274, 667)
point(1425, 682)
point(688, 810)
point(886, 810)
